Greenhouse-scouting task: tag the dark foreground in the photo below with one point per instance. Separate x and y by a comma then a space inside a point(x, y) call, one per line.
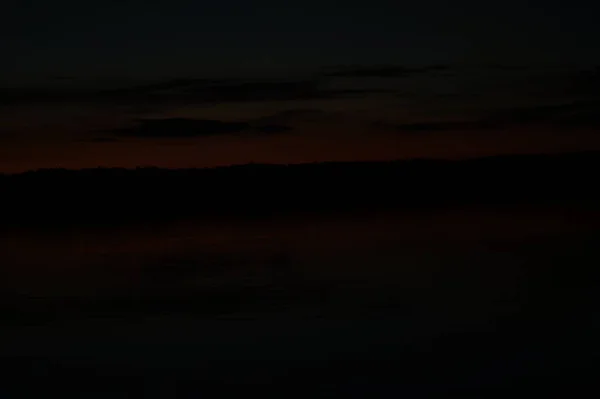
point(486, 316)
point(409, 279)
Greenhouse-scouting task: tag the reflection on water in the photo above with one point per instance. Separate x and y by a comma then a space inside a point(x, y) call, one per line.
point(381, 256)
point(395, 300)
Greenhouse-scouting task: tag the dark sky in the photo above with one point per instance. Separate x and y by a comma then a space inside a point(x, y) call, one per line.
point(195, 83)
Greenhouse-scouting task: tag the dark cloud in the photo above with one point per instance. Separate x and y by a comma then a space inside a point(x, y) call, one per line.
point(394, 71)
point(272, 91)
point(583, 83)
point(185, 91)
point(181, 127)
point(507, 67)
point(216, 92)
point(172, 85)
point(575, 114)
point(192, 91)
point(515, 67)
point(305, 117)
point(260, 91)
point(563, 84)
point(294, 115)
point(272, 128)
point(208, 91)
point(26, 96)
point(187, 128)
point(352, 93)
point(100, 140)
point(432, 126)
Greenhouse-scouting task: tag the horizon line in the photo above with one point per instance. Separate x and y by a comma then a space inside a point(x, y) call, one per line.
point(267, 164)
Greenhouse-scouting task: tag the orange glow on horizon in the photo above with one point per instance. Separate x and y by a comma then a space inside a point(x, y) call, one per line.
point(285, 148)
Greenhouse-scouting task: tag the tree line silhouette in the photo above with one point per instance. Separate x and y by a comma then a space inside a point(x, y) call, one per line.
point(60, 197)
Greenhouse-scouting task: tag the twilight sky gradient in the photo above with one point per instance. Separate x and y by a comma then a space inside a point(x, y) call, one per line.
point(189, 83)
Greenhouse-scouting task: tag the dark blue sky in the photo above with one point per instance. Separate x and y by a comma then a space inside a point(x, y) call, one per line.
point(196, 83)
point(175, 38)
